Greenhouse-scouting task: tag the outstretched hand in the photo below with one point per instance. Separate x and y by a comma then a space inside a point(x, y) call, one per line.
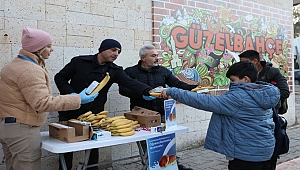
point(199, 86)
point(163, 93)
point(149, 98)
point(87, 98)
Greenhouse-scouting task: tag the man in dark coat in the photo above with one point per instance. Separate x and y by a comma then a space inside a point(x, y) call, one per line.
point(149, 72)
point(267, 73)
point(81, 71)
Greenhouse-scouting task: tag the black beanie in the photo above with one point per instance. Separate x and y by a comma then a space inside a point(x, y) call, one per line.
point(108, 44)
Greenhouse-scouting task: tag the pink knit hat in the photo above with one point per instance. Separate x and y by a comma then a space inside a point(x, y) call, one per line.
point(34, 39)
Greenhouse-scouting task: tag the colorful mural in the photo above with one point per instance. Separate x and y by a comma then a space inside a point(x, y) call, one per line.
point(202, 45)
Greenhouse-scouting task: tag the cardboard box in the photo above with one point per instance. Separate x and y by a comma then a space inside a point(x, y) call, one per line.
point(70, 131)
point(146, 118)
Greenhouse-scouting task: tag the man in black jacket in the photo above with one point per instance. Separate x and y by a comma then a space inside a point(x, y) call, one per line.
point(81, 71)
point(272, 75)
point(149, 72)
point(267, 73)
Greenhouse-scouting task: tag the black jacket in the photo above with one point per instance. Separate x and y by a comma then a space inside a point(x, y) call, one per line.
point(270, 74)
point(81, 71)
point(154, 77)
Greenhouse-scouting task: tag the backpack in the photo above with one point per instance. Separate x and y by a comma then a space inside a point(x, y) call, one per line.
point(282, 141)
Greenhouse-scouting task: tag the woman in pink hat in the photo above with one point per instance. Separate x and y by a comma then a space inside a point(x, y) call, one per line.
point(25, 100)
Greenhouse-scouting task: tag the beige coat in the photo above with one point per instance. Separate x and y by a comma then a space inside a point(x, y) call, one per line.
point(25, 92)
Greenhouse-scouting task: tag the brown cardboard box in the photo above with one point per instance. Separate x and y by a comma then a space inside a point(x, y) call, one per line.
point(70, 131)
point(145, 117)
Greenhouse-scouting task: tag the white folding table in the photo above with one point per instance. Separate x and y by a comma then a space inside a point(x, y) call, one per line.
point(56, 146)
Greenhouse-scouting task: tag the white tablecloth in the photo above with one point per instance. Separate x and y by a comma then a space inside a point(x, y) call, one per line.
point(56, 146)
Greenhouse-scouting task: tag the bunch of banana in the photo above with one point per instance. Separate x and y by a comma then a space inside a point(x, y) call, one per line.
point(105, 125)
point(95, 119)
point(119, 126)
point(85, 115)
point(101, 84)
point(127, 133)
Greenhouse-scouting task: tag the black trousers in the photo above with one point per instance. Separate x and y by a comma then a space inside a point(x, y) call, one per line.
point(94, 159)
point(273, 162)
point(237, 164)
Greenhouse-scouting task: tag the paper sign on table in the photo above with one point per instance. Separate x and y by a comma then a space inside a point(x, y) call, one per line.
point(170, 113)
point(162, 152)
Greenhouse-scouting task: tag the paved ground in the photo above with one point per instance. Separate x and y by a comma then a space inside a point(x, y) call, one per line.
point(203, 159)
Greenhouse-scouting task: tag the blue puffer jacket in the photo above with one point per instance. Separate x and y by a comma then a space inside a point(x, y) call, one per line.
point(241, 125)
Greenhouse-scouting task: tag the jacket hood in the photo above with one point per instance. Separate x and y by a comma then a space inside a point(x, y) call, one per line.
point(264, 94)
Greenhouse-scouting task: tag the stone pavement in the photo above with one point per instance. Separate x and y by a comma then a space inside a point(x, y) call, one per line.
point(203, 159)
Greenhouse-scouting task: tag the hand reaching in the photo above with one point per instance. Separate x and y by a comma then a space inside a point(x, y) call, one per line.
point(87, 98)
point(149, 98)
point(163, 94)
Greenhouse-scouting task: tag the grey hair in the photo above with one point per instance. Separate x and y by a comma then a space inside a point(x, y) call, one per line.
point(144, 49)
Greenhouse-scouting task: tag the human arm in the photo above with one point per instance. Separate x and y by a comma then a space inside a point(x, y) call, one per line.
point(132, 85)
point(38, 95)
point(223, 104)
point(127, 91)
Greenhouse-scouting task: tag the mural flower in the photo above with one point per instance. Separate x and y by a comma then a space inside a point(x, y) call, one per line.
point(224, 13)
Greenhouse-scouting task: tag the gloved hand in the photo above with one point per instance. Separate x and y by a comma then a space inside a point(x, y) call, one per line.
point(148, 98)
point(87, 98)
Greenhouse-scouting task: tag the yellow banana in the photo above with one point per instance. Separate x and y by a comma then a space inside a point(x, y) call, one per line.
point(195, 89)
point(124, 122)
point(84, 115)
point(155, 94)
point(134, 126)
point(134, 122)
point(83, 119)
point(128, 133)
point(100, 116)
point(118, 120)
point(112, 128)
point(106, 119)
point(125, 130)
point(115, 134)
point(114, 118)
point(101, 121)
point(123, 126)
point(102, 83)
point(94, 121)
point(97, 124)
point(103, 113)
point(87, 113)
point(202, 88)
point(90, 116)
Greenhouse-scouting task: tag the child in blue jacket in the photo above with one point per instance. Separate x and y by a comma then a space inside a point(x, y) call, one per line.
point(241, 126)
